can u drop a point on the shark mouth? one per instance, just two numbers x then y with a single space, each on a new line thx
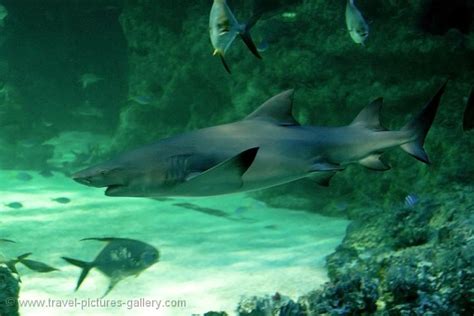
113 188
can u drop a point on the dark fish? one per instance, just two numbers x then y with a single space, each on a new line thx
37 266
120 258
6 240
46 173
23 176
11 264
211 211
468 121
14 205
62 200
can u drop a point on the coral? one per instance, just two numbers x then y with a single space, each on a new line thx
9 290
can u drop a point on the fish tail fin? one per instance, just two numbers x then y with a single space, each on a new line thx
247 38
86 267
420 125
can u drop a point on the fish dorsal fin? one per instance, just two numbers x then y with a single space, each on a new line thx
277 109
370 116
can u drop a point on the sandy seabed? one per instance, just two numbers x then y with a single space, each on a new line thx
206 262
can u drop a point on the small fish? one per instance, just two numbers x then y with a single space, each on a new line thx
62 200
11 264
6 240
23 176
263 46
3 15
356 25
120 258
88 110
46 173
89 79
37 266
411 200
468 120
141 99
224 28
14 205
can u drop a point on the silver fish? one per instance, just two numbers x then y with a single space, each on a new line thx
224 28
356 25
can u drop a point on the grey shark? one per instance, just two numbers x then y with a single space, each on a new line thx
267 148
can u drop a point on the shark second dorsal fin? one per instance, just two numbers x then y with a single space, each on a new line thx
277 109
370 116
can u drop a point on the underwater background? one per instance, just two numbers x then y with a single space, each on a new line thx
83 80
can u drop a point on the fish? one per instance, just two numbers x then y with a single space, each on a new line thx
468 118
30 264
88 110
62 200
265 149
46 173
120 258
3 15
411 200
224 28
14 205
6 240
23 176
11 264
89 79
356 25
37 266
141 99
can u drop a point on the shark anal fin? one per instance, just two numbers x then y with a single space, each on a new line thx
468 120
322 178
278 109
374 162
228 172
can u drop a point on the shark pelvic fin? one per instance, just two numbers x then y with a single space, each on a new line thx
228 171
370 116
420 125
278 109
374 162
322 178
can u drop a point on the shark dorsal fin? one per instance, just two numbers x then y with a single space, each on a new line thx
277 109
370 116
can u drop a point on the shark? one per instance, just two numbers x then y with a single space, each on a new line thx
265 149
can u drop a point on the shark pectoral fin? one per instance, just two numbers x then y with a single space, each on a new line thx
228 172
325 166
278 109
374 162
322 178
370 116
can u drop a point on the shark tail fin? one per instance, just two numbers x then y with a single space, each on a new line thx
247 38
420 125
86 267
